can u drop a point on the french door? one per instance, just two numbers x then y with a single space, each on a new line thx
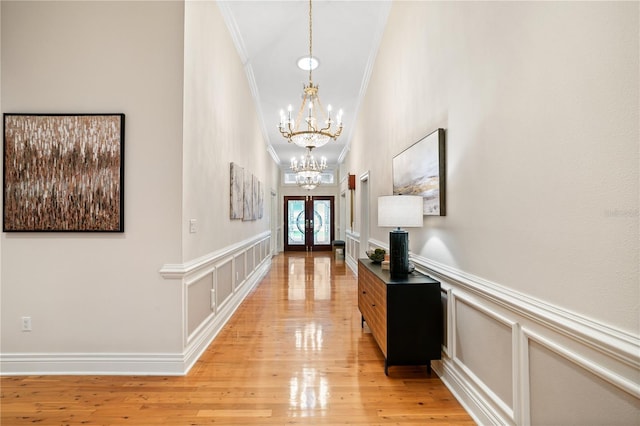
308 223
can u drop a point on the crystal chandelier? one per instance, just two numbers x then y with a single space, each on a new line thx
308 183
308 171
307 130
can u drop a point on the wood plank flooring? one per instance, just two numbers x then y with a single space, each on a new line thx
293 353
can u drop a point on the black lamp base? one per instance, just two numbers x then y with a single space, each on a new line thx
399 253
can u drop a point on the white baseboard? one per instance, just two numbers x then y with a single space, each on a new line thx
201 342
596 350
26 364
156 364
478 408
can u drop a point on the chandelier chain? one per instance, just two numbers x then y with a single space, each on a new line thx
310 39
317 127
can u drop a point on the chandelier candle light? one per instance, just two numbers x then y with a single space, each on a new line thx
310 134
308 171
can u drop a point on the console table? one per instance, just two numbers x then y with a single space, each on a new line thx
404 315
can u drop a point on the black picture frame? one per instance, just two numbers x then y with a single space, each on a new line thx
63 172
421 170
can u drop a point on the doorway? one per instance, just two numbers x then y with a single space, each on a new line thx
364 215
308 223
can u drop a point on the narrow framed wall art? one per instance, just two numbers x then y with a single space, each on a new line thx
237 192
63 172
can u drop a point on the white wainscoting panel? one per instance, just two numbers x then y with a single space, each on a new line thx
352 247
483 351
513 360
239 268
234 277
561 381
209 298
447 314
224 282
251 257
198 301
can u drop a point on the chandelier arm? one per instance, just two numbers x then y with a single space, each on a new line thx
321 108
313 132
286 135
287 132
300 112
326 129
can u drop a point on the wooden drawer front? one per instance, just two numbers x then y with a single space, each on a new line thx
378 321
365 295
372 301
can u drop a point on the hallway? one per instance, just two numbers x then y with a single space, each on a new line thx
293 353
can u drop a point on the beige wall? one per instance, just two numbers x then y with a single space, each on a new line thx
221 126
150 299
540 105
540 102
97 293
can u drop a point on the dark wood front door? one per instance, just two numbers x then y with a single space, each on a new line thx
308 223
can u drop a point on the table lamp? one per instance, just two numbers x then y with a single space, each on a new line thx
399 211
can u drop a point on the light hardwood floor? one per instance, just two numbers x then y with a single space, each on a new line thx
293 353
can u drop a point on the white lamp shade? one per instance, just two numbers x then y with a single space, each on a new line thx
400 211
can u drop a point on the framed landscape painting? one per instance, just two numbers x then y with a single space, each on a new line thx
420 170
63 173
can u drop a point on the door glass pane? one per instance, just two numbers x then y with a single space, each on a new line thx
321 222
295 222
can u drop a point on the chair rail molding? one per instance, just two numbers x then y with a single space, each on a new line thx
613 342
228 275
176 271
610 354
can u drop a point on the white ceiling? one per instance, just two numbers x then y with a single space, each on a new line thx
272 35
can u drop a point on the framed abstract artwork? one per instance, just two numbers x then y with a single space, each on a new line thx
420 170
63 172
237 192
247 206
247 195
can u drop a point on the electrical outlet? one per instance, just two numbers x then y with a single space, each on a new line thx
192 226
26 323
